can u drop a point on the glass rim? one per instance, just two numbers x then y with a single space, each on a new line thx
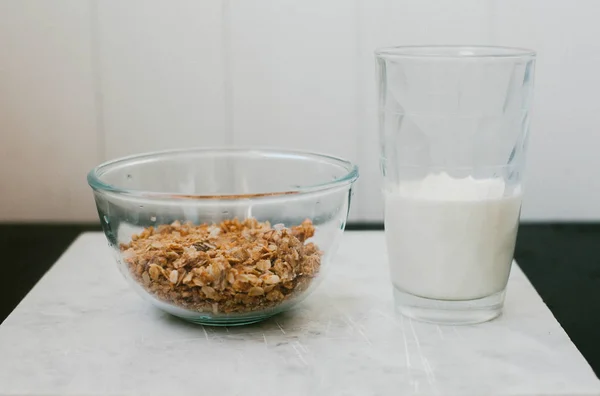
453 52
95 182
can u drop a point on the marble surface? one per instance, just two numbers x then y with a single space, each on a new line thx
82 331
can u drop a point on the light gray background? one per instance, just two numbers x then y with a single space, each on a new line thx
82 81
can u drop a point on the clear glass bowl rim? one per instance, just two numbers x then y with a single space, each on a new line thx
453 52
95 182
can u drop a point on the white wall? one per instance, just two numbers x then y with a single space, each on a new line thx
82 81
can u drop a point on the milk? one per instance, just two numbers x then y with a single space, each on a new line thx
451 239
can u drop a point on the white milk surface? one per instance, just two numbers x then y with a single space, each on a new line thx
451 239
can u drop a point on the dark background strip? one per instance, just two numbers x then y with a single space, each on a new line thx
561 260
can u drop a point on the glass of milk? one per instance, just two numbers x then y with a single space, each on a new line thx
454 123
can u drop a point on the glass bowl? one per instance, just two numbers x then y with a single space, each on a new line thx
224 236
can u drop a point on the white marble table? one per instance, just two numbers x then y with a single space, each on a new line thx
82 331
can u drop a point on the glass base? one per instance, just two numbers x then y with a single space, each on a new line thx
449 312
211 321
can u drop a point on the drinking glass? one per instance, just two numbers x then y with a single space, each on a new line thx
454 122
